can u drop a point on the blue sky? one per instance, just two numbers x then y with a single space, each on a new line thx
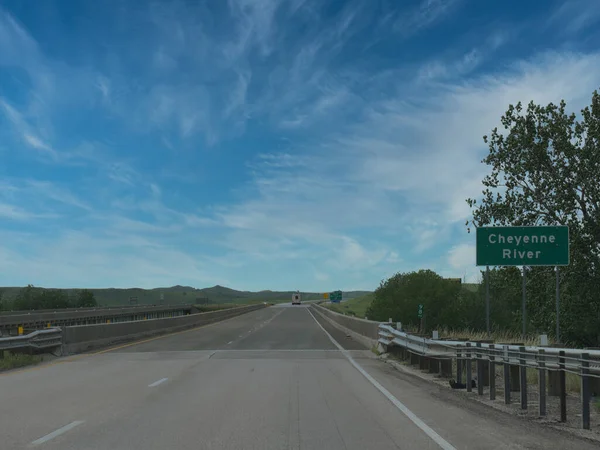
263 144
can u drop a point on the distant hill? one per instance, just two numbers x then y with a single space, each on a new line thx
185 294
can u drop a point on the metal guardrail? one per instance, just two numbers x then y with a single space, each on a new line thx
96 308
551 361
41 319
40 339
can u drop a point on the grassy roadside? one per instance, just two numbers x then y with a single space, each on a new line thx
15 360
358 306
354 307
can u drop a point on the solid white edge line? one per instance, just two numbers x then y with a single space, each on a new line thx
56 433
397 403
156 383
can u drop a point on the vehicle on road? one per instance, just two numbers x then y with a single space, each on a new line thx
296 298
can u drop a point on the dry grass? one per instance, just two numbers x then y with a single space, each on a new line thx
504 337
573 381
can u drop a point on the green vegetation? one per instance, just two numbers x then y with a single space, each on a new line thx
14 360
474 287
545 169
446 303
30 297
353 307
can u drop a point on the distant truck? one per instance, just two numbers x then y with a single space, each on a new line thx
296 298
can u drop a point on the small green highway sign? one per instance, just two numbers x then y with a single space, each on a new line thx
523 246
420 312
335 296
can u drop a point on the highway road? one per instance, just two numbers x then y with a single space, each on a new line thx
276 378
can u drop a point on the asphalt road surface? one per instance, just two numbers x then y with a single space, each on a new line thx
276 378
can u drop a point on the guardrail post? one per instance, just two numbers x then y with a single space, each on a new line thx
542 382
562 386
434 365
594 381
554 383
469 368
585 391
446 368
492 366
523 370
485 375
506 376
401 353
515 374
414 359
479 369
459 365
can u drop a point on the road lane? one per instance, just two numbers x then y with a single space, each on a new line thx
270 379
214 336
294 330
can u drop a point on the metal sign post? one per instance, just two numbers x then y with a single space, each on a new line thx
524 246
524 302
557 306
487 300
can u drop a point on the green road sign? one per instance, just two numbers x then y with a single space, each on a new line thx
335 296
420 311
523 246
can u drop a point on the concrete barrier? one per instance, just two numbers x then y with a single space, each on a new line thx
37 319
81 338
368 329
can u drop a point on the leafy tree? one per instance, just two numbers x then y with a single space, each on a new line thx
85 299
51 299
545 170
26 298
399 297
505 298
31 297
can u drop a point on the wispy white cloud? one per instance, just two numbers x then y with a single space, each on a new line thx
452 67
413 156
12 212
56 193
426 14
16 45
237 96
103 85
25 130
37 143
575 16
80 259
372 162
255 24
